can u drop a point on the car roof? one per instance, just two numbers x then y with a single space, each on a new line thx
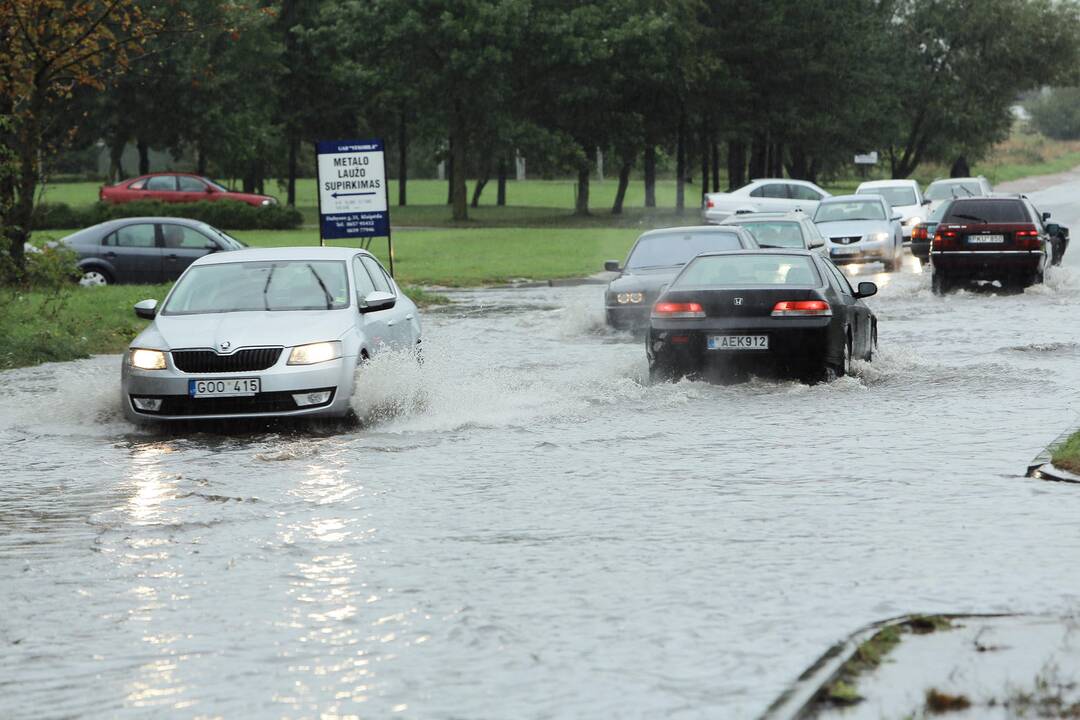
889 183
313 252
783 180
761 251
853 198
691 228
736 218
946 181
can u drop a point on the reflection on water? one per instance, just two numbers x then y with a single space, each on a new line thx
524 527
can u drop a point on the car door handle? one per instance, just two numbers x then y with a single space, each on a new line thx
390 323
171 256
409 316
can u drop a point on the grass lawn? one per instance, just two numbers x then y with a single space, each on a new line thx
1067 455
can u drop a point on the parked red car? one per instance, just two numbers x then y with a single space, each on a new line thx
176 188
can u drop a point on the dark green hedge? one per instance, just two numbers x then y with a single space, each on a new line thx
224 214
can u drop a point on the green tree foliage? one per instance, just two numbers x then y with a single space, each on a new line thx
1056 113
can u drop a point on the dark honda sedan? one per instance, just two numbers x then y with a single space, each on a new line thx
655 259
144 250
790 312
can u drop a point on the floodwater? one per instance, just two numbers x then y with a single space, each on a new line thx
524 528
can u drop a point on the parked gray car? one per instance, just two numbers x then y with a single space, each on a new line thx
266 332
654 260
861 228
144 250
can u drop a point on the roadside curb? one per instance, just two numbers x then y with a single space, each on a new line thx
1041 468
797 701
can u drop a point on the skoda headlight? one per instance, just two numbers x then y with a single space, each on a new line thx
147 359
315 353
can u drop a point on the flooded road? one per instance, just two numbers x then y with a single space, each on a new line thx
524 528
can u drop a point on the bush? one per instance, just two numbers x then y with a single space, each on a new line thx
224 214
1056 114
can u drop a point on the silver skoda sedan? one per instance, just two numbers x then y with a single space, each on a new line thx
266 332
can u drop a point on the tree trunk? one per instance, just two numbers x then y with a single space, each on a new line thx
960 168
624 182
704 161
680 164
736 164
144 156
581 201
200 162
776 169
116 160
500 197
403 166
757 158
650 174
481 183
290 180
716 167
797 167
450 172
21 218
458 192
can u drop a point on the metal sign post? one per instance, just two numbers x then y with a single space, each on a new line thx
354 200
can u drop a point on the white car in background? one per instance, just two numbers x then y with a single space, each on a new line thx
941 191
904 196
764 195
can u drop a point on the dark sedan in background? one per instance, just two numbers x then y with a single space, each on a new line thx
790 312
143 250
654 260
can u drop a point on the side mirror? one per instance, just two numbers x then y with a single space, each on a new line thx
926 201
612 266
1052 228
814 244
1046 216
211 247
378 300
866 289
146 309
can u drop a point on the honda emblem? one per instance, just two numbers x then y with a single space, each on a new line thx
738 301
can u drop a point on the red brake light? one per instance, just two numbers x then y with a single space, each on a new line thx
708 202
801 308
678 310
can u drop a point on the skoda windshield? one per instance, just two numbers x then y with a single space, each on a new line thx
265 285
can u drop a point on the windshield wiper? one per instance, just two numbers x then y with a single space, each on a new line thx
653 267
266 287
329 297
971 217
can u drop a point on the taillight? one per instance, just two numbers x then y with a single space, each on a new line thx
669 310
709 203
1028 239
801 308
945 239
918 232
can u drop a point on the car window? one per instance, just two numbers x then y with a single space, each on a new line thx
771 190
801 192
263 285
190 184
364 286
895 196
815 234
740 270
137 185
840 279
1036 216
670 249
161 182
378 275
180 236
945 190
776 233
849 210
987 211
134 236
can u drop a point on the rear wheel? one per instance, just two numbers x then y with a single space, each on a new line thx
873 344
940 283
839 370
663 372
93 277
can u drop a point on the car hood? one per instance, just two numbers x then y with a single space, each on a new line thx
843 228
245 329
647 281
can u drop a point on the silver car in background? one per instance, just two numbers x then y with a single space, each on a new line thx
266 332
941 191
904 196
861 228
781 230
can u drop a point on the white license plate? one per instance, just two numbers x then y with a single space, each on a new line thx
232 387
844 251
738 342
986 239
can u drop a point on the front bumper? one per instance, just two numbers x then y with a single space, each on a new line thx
277 385
987 264
629 316
862 251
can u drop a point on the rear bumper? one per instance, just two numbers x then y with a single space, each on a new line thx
921 250
791 347
987 264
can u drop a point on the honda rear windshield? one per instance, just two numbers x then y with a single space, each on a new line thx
749 270
672 249
986 211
